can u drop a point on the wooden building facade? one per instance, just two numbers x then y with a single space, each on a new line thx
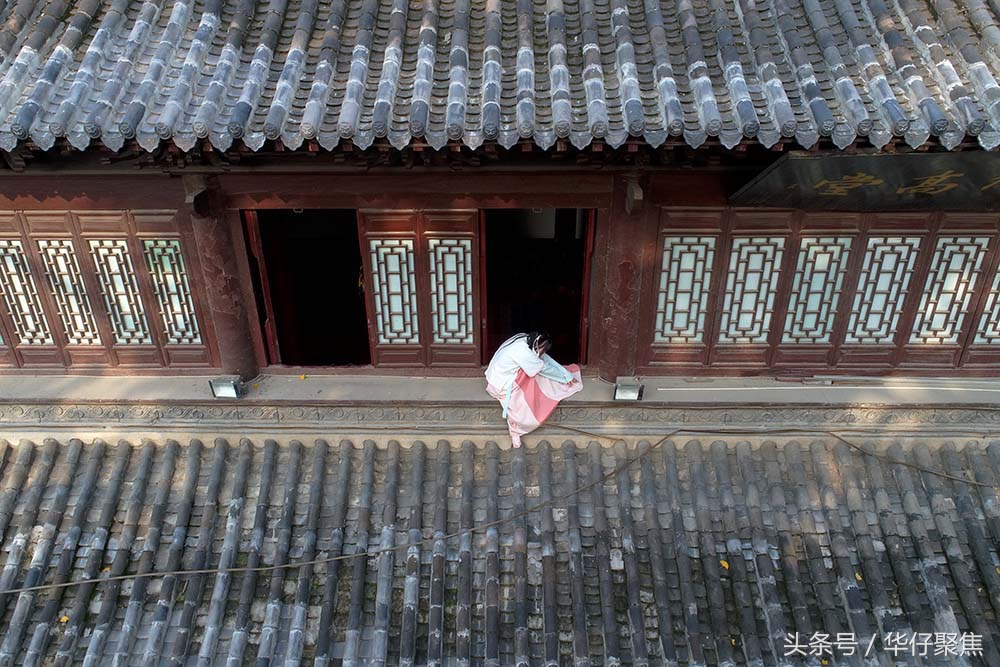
366 187
203 273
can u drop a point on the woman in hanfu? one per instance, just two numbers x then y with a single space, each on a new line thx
528 383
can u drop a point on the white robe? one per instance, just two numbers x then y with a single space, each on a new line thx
511 357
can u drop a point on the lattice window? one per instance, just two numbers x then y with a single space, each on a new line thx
885 281
173 291
395 291
21 295
952 278
754 268
72 302
120 291
989 325
819 275
685 276
451 290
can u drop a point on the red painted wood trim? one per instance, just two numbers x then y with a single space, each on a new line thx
241 248
484 354
256 247
588 256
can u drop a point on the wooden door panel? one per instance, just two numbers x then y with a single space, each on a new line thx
983 357
793 357
422 282
749 309
256 244
192 356
679 292
41 357
389 247
450 244
948 309
820 285
31 331
111 274
79 291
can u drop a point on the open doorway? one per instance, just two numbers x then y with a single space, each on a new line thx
536 274
309 287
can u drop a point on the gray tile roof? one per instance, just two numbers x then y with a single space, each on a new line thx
491 70
702 553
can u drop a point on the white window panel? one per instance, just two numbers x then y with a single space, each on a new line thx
884 283
173 291
66 285
989 325
819 275
394 287
21 295
120 291
451 290
682 293
751 283
951 280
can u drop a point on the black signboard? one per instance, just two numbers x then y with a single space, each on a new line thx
968 181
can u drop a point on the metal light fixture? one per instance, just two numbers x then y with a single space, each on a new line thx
628 388
229 386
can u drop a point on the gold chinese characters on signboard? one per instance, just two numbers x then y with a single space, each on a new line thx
967 180
842 186
934 184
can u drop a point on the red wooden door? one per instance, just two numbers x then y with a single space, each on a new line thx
389 253
449 245
421 281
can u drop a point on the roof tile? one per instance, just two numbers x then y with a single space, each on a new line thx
704 552
498 71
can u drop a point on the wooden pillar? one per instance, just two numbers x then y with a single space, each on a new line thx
624 236
222 286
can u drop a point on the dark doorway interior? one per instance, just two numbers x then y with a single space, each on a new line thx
535 273
313 269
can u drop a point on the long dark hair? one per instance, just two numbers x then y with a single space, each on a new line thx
532 338
539 339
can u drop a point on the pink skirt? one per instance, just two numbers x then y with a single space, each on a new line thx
532 400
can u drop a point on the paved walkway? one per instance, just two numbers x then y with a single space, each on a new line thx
270 389
385 407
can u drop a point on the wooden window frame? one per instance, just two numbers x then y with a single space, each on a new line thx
79 228
838 355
